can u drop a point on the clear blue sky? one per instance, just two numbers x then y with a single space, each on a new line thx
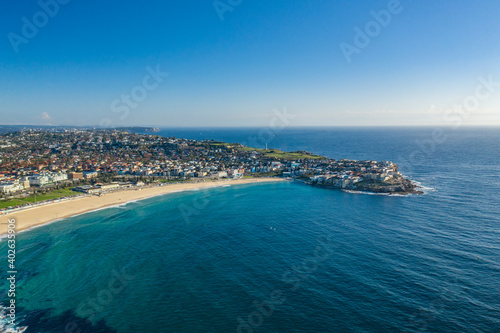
264 55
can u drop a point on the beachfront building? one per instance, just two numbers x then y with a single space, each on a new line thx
39 180
110 186
25 182
10 187
90 174
218 174
100 187
235 173
75 175
45 178
86 189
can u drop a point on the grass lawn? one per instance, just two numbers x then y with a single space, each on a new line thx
39 197
271 153
278 154
168 181
265 174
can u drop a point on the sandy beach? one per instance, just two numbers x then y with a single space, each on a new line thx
36 216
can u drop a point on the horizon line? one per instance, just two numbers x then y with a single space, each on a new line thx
256 126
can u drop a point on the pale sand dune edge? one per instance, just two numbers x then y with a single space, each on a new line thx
37 216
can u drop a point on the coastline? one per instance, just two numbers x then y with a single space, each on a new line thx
38 216
407 187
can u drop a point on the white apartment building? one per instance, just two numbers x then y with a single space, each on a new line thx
47 178
10 187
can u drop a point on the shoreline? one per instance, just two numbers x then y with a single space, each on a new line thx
35 217
409 188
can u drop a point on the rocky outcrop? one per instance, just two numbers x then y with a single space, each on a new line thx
400 186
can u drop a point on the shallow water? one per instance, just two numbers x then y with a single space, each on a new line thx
331 261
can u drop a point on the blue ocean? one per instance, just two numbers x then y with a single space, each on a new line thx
284 257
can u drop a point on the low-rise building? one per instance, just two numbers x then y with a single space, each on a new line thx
45 178
10 187
107 186
86 189
75 175
90 174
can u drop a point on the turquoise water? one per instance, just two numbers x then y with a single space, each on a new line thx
283 257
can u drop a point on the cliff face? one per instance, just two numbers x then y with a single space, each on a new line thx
396 186
401 186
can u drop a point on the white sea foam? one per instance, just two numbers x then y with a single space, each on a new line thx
424 188
368 193
5 325
379 194
4 236
40 225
